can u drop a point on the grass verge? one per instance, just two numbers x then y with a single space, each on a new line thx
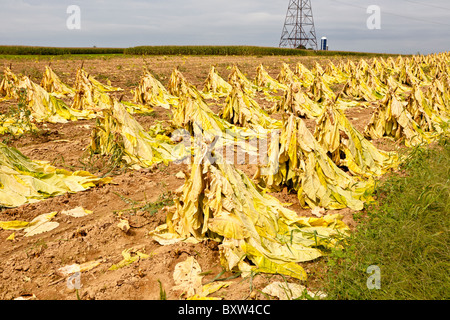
406 235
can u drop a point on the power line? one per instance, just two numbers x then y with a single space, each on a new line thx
427 5
396 14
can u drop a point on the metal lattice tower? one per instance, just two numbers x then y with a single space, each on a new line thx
298 30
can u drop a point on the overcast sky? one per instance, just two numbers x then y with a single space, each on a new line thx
406 26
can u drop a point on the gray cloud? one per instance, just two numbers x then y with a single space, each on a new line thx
406 26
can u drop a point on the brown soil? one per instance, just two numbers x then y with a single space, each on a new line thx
29 265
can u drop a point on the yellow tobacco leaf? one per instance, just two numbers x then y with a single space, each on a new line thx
129 256
13 225
77 212
284 290
248 223
41 224
207 289
73 268
215 86
187 278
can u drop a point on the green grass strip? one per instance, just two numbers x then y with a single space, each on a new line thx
406 235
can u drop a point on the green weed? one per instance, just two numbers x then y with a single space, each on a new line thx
21 115
162 292
165 199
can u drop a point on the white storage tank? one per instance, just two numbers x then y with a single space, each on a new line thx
324 43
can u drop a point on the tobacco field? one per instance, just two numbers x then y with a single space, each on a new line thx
199 177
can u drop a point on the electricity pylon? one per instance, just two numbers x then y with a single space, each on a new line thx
298 30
